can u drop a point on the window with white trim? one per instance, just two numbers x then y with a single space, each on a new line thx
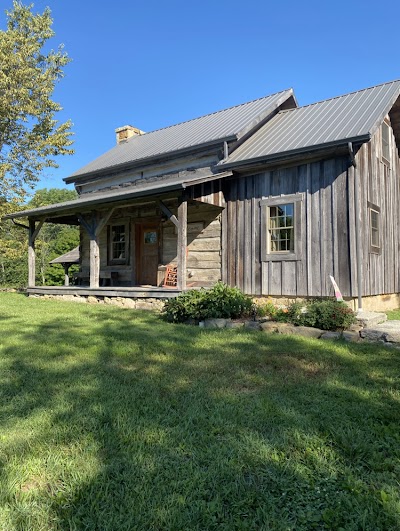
386 142
118 239
281 230
374 228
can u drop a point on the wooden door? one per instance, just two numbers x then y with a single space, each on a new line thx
147 253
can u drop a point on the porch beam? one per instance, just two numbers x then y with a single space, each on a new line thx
94 257
182 244
168 213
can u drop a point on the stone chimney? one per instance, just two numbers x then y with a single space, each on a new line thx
125 132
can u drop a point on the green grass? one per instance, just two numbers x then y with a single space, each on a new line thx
114 420
394 315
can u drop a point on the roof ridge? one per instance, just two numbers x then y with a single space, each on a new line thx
341 96
211 113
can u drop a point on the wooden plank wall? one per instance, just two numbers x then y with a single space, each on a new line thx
380 185
204 242
325 248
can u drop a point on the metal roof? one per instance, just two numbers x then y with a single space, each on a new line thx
71 257
227 124
141 188
339 120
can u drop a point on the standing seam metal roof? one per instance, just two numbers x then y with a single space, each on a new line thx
354 115
220 125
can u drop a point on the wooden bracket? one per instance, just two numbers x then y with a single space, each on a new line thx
168 213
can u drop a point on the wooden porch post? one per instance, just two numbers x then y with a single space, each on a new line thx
94 261
66 274
182 244
33 232
31 255
94 229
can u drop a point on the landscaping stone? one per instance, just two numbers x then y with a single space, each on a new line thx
252 325
285 328
215 323
331 335
269 326
370 319
92 300
308 331
388 332
235 324
351 336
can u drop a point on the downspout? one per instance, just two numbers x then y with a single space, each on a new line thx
357 226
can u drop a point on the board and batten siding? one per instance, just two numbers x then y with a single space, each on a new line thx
380 186
324 246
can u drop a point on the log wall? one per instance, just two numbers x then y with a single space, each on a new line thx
203 238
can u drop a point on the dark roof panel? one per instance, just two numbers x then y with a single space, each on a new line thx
338 120
220 125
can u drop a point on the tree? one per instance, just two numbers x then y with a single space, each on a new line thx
52 241
30 136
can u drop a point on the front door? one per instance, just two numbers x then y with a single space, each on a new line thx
147 253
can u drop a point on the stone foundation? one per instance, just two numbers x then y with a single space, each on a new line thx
123 302
375 303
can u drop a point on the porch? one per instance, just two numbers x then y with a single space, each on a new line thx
136 292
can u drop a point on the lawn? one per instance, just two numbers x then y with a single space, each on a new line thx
112 419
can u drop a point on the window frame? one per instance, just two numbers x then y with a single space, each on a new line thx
374 249
110 259
385 126
281 256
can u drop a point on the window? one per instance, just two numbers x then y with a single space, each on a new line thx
118 244
281 230
374 228
386 142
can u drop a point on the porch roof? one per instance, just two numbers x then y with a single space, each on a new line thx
142 188
71 257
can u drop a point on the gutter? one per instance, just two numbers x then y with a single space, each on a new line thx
283 155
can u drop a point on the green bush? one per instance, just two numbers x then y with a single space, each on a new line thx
221 301
266 309
184 307
324 314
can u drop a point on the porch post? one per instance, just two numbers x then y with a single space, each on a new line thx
31 255
182 244
94 261
66 275
33 232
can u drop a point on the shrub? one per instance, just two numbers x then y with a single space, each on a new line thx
183 307
221 301
325 314
266 309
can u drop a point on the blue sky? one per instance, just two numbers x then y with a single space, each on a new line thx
152 64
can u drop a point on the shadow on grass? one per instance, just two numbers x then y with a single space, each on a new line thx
121 421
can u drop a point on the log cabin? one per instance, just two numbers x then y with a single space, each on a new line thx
268 196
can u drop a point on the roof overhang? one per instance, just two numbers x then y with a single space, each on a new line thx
66 212
293 154
149 161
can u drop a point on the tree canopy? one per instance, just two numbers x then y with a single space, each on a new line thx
52 241
30 136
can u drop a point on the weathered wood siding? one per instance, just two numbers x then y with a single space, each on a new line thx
380 185
203 237
324 244
204 244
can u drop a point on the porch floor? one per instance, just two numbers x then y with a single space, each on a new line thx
140 292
